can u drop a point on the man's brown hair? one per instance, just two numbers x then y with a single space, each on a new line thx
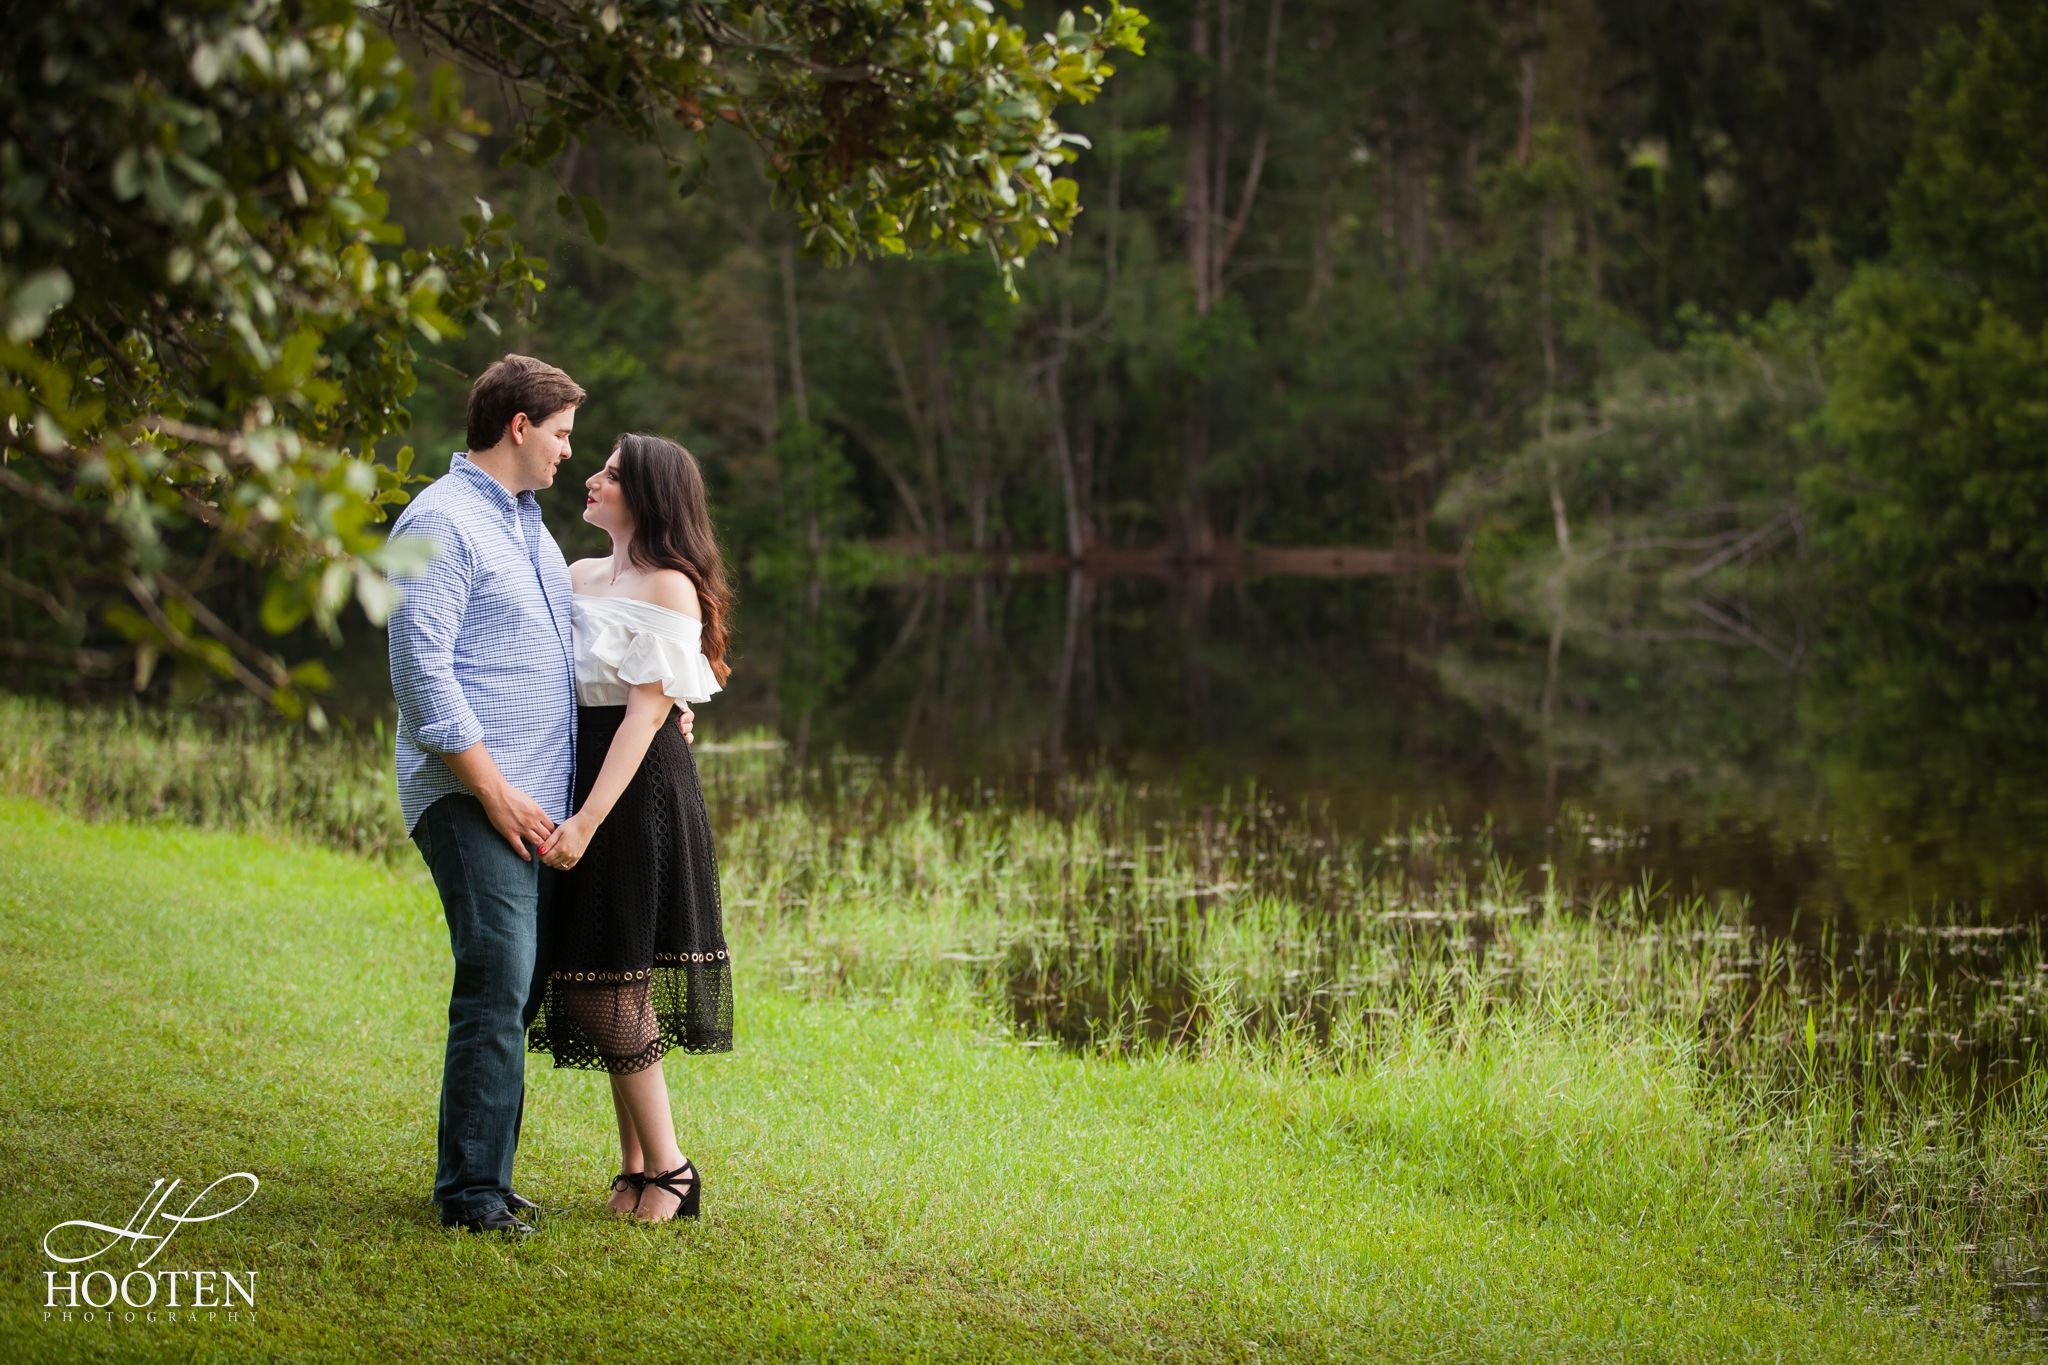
517 384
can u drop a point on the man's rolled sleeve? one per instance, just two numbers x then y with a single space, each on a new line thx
423 630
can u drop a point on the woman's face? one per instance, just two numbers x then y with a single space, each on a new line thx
605 508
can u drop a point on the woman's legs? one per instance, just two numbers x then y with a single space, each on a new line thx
619 1021
641 1098
630 1160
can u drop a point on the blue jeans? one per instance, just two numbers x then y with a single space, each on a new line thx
494 901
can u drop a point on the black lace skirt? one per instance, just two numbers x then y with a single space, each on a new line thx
635 944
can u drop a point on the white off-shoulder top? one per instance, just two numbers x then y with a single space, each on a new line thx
621 643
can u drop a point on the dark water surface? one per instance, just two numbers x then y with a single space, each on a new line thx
1817 788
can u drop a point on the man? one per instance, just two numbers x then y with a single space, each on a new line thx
483 665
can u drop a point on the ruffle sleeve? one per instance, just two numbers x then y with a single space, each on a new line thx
640 653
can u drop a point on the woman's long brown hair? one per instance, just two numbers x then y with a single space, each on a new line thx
664 492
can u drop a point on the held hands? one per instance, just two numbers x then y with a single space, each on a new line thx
518 817
564 848
646 712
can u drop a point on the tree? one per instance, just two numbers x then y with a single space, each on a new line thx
1934 506
209 319
893 126
1940 391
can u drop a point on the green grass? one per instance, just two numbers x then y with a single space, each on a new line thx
233 771
892 1173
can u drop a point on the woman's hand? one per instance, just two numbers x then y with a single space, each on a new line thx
564 848
646 712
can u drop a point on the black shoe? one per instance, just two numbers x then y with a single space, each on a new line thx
522 1206
499 1219
685 1184
635 1181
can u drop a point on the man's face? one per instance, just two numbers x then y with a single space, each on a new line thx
539 449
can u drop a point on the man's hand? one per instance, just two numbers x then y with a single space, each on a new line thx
514 814
518 817
686 724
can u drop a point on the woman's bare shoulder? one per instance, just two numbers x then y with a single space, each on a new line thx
585 572
669 588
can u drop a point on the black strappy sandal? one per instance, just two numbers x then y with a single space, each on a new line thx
635 1181
684 1183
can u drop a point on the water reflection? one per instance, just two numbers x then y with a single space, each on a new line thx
1829 778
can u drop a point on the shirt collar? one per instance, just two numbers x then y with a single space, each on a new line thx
461 465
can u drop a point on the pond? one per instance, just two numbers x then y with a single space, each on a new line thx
1859 793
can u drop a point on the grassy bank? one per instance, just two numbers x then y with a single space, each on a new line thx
237 770
893 1174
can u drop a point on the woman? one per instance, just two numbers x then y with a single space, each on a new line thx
635 949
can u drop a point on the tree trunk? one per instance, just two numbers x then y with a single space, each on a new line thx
1063 457
938 410
1195 205
812 536
1213 229
796 347
1532 65
920 431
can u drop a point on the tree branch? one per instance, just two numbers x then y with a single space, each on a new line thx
184 643
219 630
1759 539
1259 143
83 660
1743 631
43 497
42 597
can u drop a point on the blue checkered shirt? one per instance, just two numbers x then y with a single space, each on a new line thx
482 647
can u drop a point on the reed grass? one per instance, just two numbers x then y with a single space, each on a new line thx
1882 1094
230 770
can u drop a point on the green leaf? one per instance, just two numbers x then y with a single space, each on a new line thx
547 143
288 703
285 605
127 174
28 309
133 625
594 220
313 676
691 179
294 362
404 556
215 656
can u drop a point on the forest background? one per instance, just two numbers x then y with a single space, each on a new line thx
1670 320
1476 276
